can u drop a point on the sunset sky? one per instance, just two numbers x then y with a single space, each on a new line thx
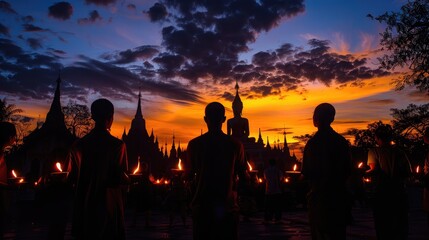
287 56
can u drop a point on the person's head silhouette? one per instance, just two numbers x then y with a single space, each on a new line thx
324 115
102 113
383 135
214 116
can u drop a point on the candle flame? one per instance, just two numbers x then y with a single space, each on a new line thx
158 181
417 169
14 174
367 180
360 164
295 167
166 182
287 180
58 165
21 180
250 166
138 167
179 165
260 180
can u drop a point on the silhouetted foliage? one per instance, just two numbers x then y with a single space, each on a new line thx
412 121
78 119
406 40
303 138
366 138
8 111
408 127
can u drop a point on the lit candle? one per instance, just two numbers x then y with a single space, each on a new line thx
59 175
15 178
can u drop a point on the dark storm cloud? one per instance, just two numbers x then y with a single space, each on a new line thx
6 7
61 10
8 49
168 64
93 17
211 34
132 55
120 83
289 68
100 2
4 30
34 43
157 12
228 96
29 76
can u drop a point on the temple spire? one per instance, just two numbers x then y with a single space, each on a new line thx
139 108
260 140
55 116
286 147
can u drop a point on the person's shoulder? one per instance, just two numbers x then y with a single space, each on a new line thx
195 140
339 137
116 140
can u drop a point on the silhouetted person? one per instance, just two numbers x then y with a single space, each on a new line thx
326 166
216 159
7 138
99 162
238 127
391 170
144 196
273 192
177 199
426 178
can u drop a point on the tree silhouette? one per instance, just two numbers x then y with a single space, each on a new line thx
406 41
77 119
412 121
8 111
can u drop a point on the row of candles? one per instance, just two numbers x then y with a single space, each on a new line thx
16 179
60 174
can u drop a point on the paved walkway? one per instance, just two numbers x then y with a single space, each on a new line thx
293 226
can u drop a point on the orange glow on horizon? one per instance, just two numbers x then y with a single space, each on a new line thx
289 110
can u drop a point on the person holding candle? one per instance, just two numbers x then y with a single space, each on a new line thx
273 192
7 138
391 170
327 166
426 178
98 166
216 160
